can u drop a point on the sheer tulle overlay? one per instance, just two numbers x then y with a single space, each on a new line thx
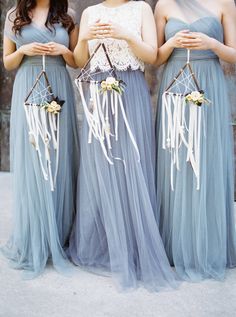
115 229
42 218
198 226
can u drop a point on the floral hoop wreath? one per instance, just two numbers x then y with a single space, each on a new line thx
183 96
102 109
42 111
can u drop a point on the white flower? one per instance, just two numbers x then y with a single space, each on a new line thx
103 84
110 80
195 95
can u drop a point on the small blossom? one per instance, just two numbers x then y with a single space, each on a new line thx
103 84
196 95
110 81
109 87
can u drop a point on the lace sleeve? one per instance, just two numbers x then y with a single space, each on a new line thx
9 22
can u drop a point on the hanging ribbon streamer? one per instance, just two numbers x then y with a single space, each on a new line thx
97 116
182 121
103 109
43 125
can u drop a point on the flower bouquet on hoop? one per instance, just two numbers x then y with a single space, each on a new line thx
182 118
103 105
42 111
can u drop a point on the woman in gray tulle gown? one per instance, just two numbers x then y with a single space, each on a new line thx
196 207
115 228
42 216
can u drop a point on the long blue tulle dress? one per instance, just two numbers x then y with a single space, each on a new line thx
42 218
198 226
115 229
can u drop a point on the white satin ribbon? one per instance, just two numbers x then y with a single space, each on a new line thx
44 128
177 132
98 118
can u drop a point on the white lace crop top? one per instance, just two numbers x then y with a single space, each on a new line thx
129 16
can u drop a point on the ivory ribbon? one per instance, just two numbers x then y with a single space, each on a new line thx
176 131
97 116
44 128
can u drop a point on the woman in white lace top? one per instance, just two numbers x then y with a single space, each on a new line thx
115 229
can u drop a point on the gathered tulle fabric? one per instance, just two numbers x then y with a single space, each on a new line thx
198 226
42 218
115 229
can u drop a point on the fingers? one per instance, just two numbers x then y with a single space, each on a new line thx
40 48
190 41
100 30
182 33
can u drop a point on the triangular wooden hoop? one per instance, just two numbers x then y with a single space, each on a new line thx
81 75
188 66
41 74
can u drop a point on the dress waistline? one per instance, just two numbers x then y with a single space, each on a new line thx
37 61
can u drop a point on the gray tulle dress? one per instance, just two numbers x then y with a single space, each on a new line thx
42 218
198 226
115 229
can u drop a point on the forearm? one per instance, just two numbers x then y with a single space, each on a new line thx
164 53
81 53
142 50
225 53
13 60
69 58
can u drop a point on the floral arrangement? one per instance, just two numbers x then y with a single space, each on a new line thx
54 106
197 97
111 83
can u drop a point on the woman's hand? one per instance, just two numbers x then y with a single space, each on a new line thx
116 31
34 49
105 30
97 30
55 49
198 41
177 40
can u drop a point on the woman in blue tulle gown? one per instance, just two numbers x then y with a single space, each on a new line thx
197 222
115 229
42 217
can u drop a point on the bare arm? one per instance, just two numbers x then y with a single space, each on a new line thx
227 51
145 49
57 49
12 57
69 56
165 48
81 52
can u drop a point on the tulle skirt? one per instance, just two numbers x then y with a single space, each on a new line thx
42 218
115 229
198 226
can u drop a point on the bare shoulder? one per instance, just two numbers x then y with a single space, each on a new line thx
85 13
228 10
145 5
162 7
227 5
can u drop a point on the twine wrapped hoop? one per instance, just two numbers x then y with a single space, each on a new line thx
43 126
102 110
177 129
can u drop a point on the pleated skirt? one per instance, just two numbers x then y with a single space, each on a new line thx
42 218
198 226
115 231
